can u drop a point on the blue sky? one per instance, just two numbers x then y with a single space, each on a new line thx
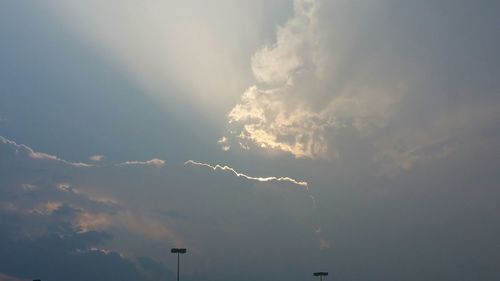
270 138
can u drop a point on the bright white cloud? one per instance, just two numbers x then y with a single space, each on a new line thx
238 174
297 104
340 79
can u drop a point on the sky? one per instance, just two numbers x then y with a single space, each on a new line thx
272 139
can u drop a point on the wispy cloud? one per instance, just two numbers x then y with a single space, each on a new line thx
153 162
323 242
40 155
238 174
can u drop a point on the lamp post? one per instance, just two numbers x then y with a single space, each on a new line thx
320 274
178 251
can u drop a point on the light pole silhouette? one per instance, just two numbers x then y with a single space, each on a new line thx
178 251
320 274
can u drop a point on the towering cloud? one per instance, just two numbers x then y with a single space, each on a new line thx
302 96
342 77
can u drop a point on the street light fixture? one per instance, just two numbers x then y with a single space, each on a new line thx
320 274
178 251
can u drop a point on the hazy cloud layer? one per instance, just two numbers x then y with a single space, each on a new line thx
385 111
141 208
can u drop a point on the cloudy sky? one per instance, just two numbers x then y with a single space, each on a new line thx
271 139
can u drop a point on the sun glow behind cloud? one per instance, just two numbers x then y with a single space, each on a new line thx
386 111
296 103
322 87
184 51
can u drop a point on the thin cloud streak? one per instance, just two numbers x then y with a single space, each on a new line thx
156 162
238 174
153 162
42 156
323 242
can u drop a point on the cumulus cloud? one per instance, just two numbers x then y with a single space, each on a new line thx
296 101
73 253
50 211
341 78
36 229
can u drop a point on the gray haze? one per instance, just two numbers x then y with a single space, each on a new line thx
270 138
